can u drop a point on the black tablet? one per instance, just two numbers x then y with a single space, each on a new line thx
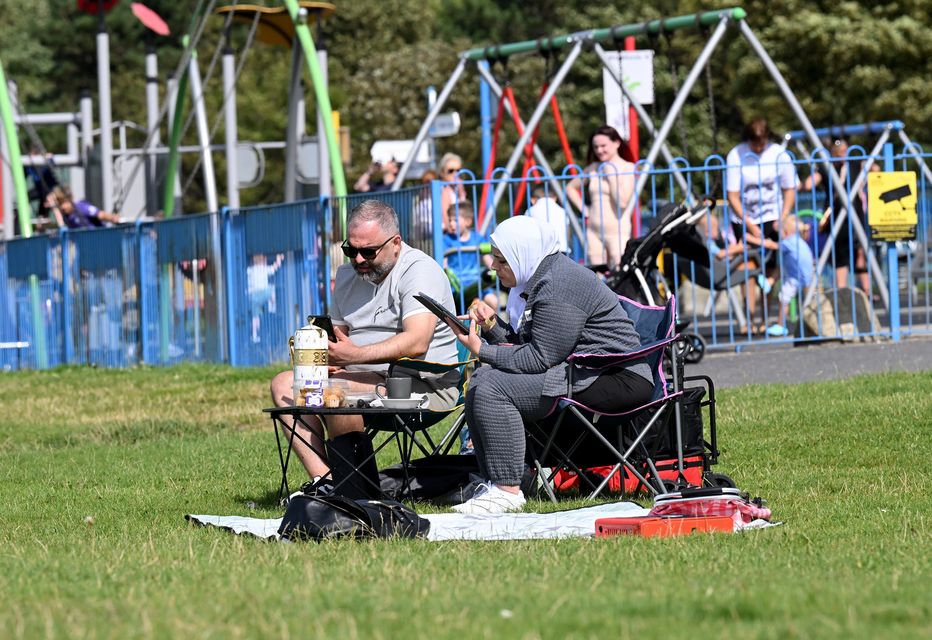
457 325
324 323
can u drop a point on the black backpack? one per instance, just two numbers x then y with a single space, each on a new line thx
320 517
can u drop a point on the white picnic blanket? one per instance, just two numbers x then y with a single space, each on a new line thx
572 523
456 526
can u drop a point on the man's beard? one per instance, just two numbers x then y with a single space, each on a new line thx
376 272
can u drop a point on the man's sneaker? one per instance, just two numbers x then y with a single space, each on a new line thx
318 487
489 499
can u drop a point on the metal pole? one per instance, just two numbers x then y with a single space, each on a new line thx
645 118
323 101
431 143
634 139
691 21
152 124
538 155
485 112
428 122
176 95
229 120
675 109
106 133
893 271
203 134
814 141
87 136
910 145
323 157
291 128
536 116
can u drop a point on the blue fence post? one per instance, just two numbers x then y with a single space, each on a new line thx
485 116
67 299
226 238
436 199
893 271
144 301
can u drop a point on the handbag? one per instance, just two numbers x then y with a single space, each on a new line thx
323 517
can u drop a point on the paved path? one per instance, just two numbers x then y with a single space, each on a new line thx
814 362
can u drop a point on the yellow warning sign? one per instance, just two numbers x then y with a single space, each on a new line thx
891 205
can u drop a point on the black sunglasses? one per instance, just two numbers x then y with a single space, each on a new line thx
367 253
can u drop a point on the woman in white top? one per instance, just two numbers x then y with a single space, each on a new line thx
611 185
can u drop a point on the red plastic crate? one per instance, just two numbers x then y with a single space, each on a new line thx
652 526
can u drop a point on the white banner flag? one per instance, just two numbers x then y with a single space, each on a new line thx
636 69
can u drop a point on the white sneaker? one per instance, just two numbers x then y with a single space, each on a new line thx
489 499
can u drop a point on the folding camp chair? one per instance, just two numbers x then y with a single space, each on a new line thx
407 429
627 438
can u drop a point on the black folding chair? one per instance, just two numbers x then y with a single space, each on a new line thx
574 436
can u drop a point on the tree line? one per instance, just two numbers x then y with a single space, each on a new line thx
848 62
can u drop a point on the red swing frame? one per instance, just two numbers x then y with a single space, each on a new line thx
508 94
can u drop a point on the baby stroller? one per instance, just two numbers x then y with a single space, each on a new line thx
637 276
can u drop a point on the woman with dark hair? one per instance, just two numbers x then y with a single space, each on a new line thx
611 184
761 187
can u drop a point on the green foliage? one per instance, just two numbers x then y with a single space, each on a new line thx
851 61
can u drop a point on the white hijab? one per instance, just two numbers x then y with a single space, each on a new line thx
524 242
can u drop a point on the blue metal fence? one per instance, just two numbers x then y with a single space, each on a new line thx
233 286
276 274
97 292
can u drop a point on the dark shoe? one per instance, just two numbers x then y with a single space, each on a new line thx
322 487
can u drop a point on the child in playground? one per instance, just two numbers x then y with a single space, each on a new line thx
463 259
258 288
545 208
79 214
798 268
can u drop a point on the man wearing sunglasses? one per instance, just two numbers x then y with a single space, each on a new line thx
377 321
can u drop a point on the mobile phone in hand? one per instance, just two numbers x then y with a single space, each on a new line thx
324 323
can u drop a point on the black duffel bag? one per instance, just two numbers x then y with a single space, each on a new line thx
321 517
440 479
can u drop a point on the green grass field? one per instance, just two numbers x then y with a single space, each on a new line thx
98 468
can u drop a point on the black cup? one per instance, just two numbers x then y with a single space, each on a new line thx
394 388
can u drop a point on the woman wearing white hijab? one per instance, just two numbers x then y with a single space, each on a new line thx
556 307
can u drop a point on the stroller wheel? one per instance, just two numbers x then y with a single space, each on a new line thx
692 347
711 479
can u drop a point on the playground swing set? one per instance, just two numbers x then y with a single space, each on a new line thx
714 23
507 96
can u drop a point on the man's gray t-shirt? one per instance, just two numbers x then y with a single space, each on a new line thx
374 312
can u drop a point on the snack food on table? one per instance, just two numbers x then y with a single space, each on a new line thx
334 397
